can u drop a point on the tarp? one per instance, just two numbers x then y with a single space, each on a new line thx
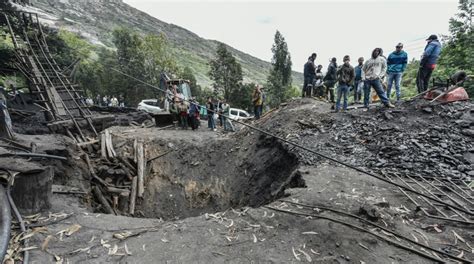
458 94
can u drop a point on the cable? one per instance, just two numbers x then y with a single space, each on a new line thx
378 226
393 242
316 153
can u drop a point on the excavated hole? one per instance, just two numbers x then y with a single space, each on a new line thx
207 176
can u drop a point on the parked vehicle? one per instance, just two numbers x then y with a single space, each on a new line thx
239 114
150 106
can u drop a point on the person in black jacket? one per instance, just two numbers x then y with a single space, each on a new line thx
309 73
330 79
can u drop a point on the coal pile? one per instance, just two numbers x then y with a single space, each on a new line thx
414 139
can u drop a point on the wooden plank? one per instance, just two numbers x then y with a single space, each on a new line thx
133 196
87 143
103 152
109 144
140 169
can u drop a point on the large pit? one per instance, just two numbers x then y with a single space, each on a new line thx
202 172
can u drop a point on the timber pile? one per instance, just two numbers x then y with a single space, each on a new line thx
120 175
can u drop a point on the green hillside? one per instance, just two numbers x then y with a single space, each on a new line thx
95 21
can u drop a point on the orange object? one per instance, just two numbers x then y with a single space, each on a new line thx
458 94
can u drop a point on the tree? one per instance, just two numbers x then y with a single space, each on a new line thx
226 72
458 50
143 58
279 79
242 96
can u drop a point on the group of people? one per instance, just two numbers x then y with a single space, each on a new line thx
188 112
218 111
369 74
106 100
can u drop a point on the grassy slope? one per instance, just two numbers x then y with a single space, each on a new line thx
99 18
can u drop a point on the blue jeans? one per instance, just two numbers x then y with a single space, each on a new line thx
257 111
342 90
397 77
211 123
378 88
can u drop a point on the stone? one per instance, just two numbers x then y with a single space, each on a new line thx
468 132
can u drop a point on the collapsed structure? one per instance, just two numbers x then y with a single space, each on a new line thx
393 173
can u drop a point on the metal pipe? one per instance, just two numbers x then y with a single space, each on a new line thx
33 155
5 222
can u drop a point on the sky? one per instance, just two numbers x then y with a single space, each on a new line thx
329 28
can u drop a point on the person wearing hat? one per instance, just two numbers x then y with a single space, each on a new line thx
428 62
345 77
330 79
396 65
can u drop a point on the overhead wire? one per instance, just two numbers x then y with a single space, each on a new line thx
363 171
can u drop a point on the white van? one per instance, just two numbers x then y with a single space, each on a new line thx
239 114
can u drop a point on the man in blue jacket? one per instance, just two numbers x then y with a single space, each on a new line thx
428 63
396 65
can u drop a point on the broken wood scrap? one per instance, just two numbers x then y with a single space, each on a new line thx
118 190
133 196
124 161
109 145
92 172
140 169
306 123
100 197
103 151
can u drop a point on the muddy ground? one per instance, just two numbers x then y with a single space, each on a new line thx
209 200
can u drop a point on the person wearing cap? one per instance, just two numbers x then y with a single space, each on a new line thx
330 79
372 73
396 65
428 62
345 77
309 73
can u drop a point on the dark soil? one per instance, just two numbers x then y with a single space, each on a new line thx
213 174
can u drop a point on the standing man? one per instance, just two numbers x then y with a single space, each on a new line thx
358 80
330 79
257 100
211 110
345 77
428 63
396 65
309 72
372 72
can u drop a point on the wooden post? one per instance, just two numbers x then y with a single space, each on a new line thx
103 151
133 196
32 191
140 169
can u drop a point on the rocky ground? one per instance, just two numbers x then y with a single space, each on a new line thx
412 139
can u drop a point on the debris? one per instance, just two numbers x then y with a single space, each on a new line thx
297 257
